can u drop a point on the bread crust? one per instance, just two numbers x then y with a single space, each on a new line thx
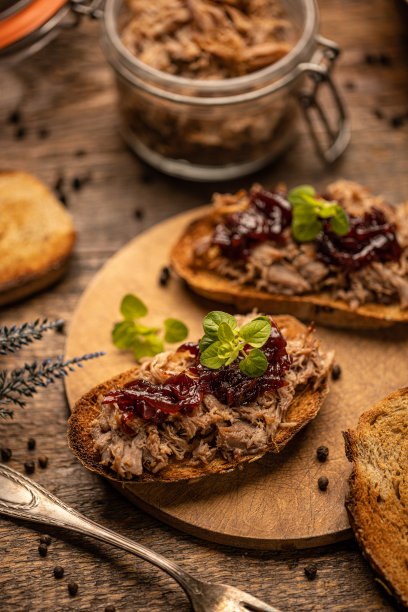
307 402
378 490
37 239
318 307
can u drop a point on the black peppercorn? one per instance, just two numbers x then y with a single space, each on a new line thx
31 443
43 133
336 372
377 112
15 117
385 59
110 608
45 539
6 454
43 549
311 571
72 588
76 183
322 453
164 276
323 483
43 461
138 213
20 133
29 467
397 121
58 572
80 153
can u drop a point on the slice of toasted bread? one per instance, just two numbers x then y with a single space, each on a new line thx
318 307
305 406
377 502
36 236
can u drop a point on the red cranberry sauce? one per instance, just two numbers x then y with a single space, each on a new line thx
369 237
184 392
266 217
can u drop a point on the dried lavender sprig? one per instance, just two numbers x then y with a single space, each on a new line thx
15 337
23 382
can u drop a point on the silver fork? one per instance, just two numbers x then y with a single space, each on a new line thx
22 498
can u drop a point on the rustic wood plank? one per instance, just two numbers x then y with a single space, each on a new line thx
66 88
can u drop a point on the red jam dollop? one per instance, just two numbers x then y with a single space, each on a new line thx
266 218
184 392
370 237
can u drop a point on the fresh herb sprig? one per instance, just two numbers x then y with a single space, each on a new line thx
17 385
13 338
224 341
309 213
143 340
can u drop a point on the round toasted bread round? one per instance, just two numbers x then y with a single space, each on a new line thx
318 307
304 407
377 501
36 238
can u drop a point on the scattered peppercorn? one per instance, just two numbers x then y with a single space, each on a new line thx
76 183
29 467
43 549
369 58
323 483
6 454
60 328
59 184
43 461
58 572
139 214
80 153
15 117
322 453
63 199
336 372
397 121
43 133
20 133
377 112
31 443
385 59
110 608
72 588
311 571
350 85
164 276
45 539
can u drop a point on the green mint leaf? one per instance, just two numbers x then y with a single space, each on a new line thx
254 364
225 333
175 330
155 343
141 348
325 210
143 329
205 342
210 358
340 223
212 321
124 334
297 195
256 332
132 307
224 350
233 356
305 231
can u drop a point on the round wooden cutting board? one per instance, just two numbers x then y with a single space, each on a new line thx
270 504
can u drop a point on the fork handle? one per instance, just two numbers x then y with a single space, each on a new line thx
21 497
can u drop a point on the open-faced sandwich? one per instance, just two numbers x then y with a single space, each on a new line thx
246 389
340 257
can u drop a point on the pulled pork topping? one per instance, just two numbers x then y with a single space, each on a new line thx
211 429
184 392
368 264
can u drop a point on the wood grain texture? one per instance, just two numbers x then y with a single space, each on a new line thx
66 88
272 503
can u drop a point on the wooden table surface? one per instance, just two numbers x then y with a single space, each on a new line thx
69 129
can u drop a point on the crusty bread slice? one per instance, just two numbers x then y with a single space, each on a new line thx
377 502
318 307
36 236
304 408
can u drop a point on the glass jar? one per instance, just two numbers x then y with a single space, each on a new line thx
217 130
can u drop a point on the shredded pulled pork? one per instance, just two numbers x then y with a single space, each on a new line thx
292 269
213 429
207 39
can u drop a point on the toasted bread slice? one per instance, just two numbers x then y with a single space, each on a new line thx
318 307
377 501
304 407
36 236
